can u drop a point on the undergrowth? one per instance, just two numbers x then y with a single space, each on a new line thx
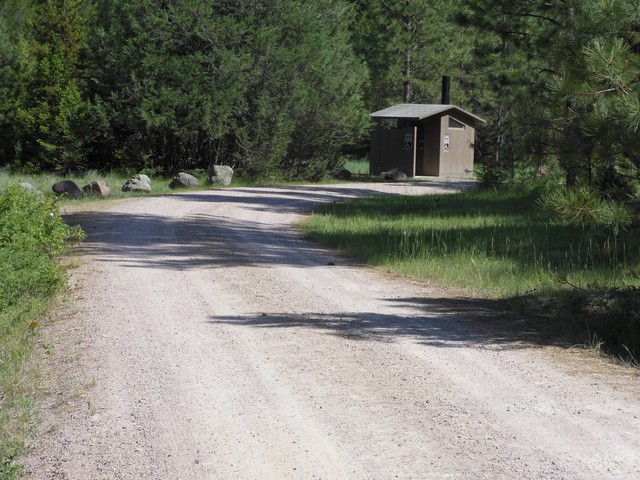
32 237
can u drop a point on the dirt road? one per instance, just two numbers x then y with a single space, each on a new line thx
206 340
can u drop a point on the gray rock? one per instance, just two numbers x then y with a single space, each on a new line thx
99 189
31 188
220 174
183 180
68 188
395 174
137 183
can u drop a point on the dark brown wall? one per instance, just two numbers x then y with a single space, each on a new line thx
431 157
388 150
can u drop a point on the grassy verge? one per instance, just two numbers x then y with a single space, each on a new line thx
500 245
357 166
32 237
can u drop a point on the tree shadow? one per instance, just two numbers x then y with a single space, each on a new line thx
304 198
441 322
212 242
197 241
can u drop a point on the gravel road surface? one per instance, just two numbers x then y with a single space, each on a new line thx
204 339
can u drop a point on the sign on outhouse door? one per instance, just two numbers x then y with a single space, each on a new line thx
409 162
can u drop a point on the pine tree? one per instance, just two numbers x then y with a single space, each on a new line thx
408 46
599 87
510 70
193 82
49 109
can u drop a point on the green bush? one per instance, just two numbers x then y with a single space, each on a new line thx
32 234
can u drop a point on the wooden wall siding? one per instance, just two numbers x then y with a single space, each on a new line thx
428 157
388 152
458 161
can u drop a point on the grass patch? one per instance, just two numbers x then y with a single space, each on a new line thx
357 166
17 329
498 245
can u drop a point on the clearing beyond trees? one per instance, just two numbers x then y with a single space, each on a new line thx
205 339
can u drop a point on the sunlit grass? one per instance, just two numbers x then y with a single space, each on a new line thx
500 245
495 244
357 166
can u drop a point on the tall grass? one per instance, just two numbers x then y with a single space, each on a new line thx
357 166
492 244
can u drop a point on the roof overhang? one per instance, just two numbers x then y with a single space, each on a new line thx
415 111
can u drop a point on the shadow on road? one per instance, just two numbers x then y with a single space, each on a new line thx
301 199
198 241
211 241
444 322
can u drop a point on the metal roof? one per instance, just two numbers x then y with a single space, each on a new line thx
416 111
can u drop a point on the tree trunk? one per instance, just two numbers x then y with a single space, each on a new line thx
408 81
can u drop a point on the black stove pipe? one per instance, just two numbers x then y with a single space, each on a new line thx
446 90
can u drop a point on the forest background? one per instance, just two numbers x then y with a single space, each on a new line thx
284 88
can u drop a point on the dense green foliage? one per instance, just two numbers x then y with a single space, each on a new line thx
559 83
408 46
500 244
283 87
32 235
270 89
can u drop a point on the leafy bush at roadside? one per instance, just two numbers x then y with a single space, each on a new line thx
32 234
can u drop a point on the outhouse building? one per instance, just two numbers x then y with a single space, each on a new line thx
424 140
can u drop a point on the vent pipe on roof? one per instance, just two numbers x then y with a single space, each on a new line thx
446 90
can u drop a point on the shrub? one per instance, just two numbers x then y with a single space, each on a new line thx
586 208
32 234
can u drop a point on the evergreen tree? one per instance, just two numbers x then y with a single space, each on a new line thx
510 70
408 46
599 87
16 61
48 106
561 66
193 82
308 97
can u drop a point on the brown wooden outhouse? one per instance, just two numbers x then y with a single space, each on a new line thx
424 140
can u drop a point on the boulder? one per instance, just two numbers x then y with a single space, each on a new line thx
138 183
99 189
395 174
220 174
31 188
183 180
342 174
68 188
